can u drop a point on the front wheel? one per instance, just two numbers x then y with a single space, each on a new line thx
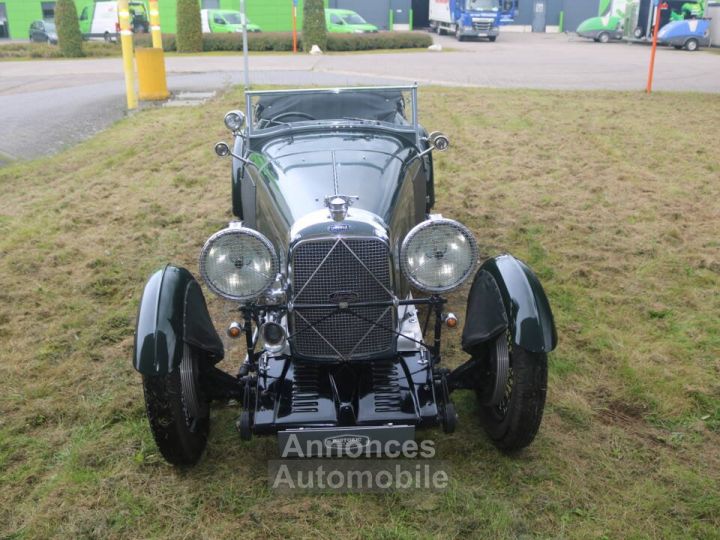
604 37
458 34
513 423
691 44
179 416
492 38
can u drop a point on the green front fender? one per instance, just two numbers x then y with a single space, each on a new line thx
529 316
172 312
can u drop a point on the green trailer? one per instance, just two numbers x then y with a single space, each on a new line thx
608 25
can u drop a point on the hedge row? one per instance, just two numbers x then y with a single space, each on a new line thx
267 41
43 50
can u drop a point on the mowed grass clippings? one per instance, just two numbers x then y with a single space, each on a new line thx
613 199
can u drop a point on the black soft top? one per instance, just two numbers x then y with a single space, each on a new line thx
382 105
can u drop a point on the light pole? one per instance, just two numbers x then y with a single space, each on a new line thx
126 38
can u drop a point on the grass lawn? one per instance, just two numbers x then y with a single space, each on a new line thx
613 198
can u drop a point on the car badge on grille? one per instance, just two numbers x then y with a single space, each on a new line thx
347 442
336 229
343 297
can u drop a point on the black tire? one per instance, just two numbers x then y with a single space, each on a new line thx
692 44
492 38
458 34
638 32
513 424
107 37
604 37
180 437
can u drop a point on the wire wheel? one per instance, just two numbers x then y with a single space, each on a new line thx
179 415
514 420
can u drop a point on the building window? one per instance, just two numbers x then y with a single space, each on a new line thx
211 4
48 10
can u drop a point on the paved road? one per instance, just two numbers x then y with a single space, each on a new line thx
46 105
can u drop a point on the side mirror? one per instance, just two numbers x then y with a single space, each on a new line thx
235 121
439 141
436 141
222 149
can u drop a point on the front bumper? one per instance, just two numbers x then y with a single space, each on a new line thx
340 441
467 31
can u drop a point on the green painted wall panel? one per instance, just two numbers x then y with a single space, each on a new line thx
21 14
271 15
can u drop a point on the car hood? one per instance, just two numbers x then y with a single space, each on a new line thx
361 28
239 27
300 172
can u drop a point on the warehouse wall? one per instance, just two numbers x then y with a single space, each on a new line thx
20 14
575 12
271 15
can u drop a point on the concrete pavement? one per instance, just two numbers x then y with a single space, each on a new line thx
46 105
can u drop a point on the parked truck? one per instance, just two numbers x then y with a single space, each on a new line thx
466 18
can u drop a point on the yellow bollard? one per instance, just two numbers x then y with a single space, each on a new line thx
151 74
127 51
155 25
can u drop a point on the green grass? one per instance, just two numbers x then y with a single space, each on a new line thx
613 198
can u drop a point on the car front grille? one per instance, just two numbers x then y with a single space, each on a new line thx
335 271
482 26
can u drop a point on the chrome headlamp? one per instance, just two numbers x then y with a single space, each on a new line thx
235 120
238 263
438 255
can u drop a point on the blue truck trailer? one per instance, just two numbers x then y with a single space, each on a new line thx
466 18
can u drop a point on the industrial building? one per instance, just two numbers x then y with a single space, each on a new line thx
276 15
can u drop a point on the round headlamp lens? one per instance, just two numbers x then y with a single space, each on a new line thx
234 120
438 255
238 263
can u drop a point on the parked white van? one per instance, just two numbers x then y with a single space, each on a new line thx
100 20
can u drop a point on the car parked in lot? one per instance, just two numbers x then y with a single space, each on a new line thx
43 32
224 21
345 21
337 269
100 19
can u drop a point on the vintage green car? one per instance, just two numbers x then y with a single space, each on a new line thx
336 268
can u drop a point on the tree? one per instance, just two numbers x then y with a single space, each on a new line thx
314 28
68 28
189 27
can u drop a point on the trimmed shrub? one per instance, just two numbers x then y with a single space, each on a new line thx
68 29
189 26
379 40
314 27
